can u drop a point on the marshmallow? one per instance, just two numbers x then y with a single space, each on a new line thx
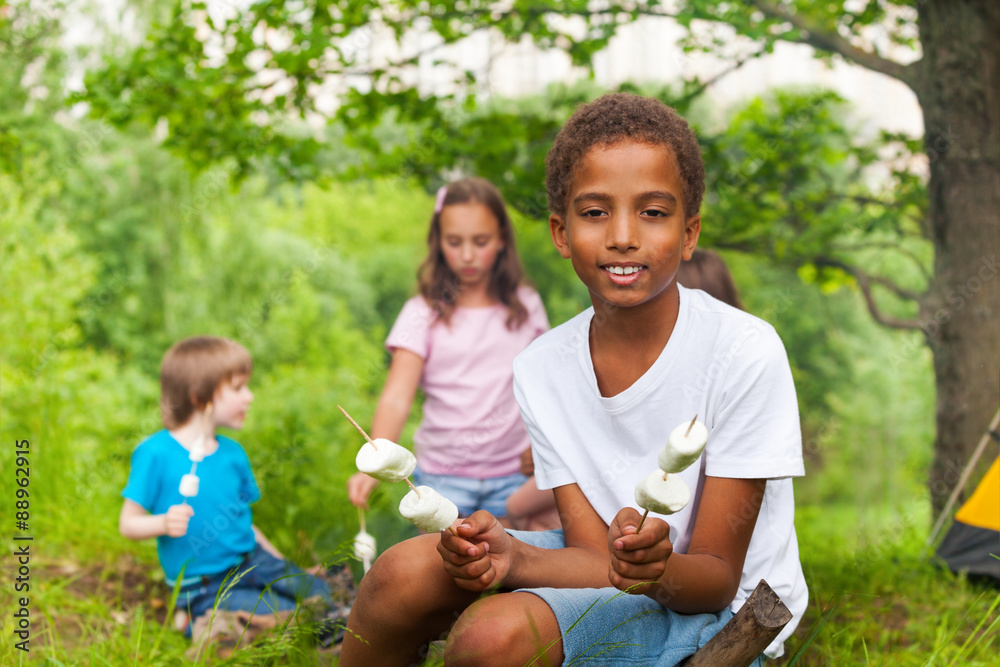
189 486
197 452
430 511
664 496
680 450
364 548
386 461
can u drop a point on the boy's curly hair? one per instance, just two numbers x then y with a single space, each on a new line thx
617 117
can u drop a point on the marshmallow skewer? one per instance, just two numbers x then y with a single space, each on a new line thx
683 446
383 459
189 482
189 487
364 544
365 549
661 492
670 494
360 430
428 509
387 461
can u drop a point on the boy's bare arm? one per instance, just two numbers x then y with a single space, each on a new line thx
136 523
484 556
707 577
584 561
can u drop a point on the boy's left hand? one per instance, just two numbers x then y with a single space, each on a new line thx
637 560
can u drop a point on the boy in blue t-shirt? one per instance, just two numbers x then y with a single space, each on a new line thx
209 539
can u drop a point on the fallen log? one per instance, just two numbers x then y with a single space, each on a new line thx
747 633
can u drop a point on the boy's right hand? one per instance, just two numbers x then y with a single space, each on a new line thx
637 558
359 487
176 520
478 558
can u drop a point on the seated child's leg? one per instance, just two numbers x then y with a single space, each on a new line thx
529 508
404 602
288 579
262 584
497 490
243 595
256 600
505 629
605 627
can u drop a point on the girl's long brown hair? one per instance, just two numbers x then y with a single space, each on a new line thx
439 285
707 271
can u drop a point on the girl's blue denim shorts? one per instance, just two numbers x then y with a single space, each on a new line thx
470 493
606 627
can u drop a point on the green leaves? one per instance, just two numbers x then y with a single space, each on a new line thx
233 83
226 81
790 179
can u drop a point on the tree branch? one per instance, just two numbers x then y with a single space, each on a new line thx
890 246
474 16
865 283
829 41
729 70
878 280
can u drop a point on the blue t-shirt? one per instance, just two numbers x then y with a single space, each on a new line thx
221 530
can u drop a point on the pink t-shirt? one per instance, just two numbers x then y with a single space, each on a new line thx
471 425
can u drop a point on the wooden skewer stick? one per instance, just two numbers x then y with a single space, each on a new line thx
639 527
410 484
360 430
200 442
691 426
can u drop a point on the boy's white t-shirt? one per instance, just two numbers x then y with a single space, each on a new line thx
720 363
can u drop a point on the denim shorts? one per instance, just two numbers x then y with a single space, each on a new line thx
604 626
265 584
470 493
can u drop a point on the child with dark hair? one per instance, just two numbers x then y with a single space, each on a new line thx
204 526
457 341
530 508
707 271
599 396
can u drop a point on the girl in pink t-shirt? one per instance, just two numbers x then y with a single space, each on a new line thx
457 341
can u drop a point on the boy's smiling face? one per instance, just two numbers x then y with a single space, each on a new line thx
624 228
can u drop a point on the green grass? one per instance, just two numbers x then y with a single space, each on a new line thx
97 599
875 599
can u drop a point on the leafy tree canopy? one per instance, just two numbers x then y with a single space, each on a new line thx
787 176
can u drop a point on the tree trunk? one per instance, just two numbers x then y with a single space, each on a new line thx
959 90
